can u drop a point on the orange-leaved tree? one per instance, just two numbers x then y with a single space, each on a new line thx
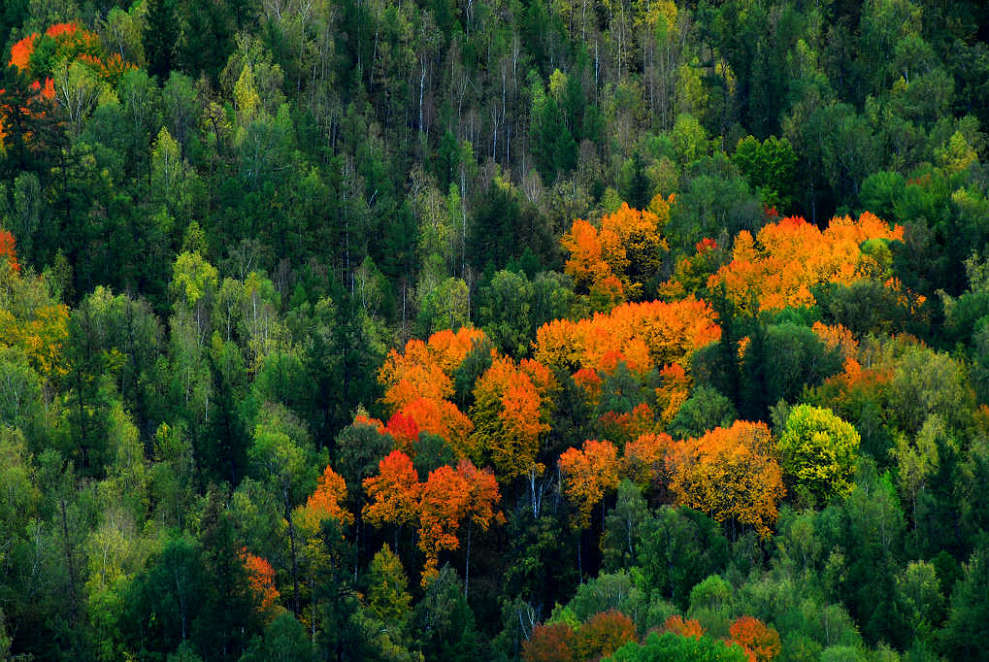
603 634
626 426
482 498
326 501
442 506
424 369
30 318
761 643
448 498
674 390
610 262
418 383
261 577
404 430
731 474
587 474
685 627
644 459
551 642
8 251
394 493
442 418
511 414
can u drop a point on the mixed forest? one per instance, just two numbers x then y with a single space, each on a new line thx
511 330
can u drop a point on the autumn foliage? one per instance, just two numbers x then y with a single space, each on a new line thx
261 577
424 369
72 44
608 261
761 643
642 335
684 627
29 319
418 383
442 418
449 498
394 493
444 501
777 269
731 474
623 427
8 250
603 634
587 474
325 502
549 643
674 390
510 412
644 459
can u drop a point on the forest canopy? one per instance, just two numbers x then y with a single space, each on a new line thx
514 330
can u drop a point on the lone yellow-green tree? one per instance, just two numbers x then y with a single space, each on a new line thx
819 451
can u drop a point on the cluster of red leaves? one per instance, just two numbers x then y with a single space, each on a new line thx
401 427
8 250
419 382
441 505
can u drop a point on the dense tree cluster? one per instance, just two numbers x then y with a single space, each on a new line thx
532 330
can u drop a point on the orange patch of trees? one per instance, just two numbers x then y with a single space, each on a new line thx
642 335
510 414
449 498
261 577
419 381
325 502
777 269
608 262
759 642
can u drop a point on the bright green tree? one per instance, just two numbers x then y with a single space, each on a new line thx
675 648
819 451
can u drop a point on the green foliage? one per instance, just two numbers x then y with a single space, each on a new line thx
284 640
623 528
769 167
966 621
217 217
505 312
388 599
678 648
704 410
779 362
819 452
679 548
444 620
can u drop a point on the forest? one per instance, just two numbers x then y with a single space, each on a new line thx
509 330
